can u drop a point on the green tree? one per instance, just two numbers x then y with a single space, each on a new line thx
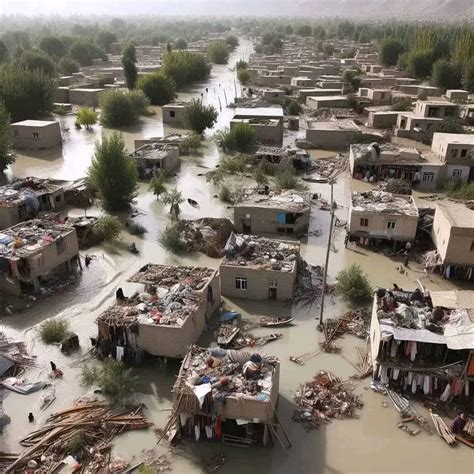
4 55
170 239
140 102
87 117
463 49
468 76
84 50
289 30
34 59
68 66
117 109
113 173
53 46
131 73
419 63
130 53
243 76
241 137
304 30
389 51
293 107
158 88
218 52
191 142
446 75
285 178
157 185
185 67
232 41
180 44
198 117
451 125
352 77
353 285
26 94
6 139
174 199
402 105
241 64
105 40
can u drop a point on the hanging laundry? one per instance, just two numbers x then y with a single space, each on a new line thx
445 395
426 385
394 348
119 353
395 374
413 351
197 432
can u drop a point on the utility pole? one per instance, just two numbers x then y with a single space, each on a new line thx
325 274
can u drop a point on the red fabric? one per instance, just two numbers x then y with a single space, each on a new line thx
218 428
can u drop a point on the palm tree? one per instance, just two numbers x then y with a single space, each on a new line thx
174 198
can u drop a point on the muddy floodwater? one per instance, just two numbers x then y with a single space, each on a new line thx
370 444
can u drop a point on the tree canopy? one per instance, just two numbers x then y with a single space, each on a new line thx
218 52
198 117
35 59
446 75
185 67
117 109
84 50
68 66
389 51
53 46
158 88
6 139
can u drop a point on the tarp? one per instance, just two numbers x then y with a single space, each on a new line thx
454 299
230 315
459 331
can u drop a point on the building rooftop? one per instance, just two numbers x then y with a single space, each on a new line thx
459 138
249 112
259 121
458 214
176 104
29 237
153 151
328 97
386 203
261 253
34 123
292 201
21 190
333 125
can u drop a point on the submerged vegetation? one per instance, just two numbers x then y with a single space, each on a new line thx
353 285
53 331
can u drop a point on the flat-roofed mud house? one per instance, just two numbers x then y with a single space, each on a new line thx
267 122
36 134
422 344
333 134
164 319
23 199
277 212
156 158
376 216
275 158
226 396
173 112
32 251
258 268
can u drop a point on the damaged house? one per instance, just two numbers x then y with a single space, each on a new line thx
23 199
377 216
226 396
274 158
258 268
155 158
163 319
32 251
275 212
423 344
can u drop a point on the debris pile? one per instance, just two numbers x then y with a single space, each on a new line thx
325 168
84 431
309 284
324 398
383 202
395 186
85 230
79 194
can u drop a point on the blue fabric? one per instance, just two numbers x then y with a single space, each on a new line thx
281 217
230 315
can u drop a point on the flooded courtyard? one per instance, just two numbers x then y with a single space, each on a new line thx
371 443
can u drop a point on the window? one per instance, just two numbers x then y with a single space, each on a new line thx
433 111
36 135
364 222
454 153
241 283
428 177
391 225
172 114
463 153
448 112
457 173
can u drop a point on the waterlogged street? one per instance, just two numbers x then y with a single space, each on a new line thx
369 444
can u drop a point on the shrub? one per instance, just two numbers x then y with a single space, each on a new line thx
191 142
293 107
218 52
53 331
241 137
243 76
260 176
87 117
108 228
170 239
198 117
158 88
455 189
112 377
402 105
232 41
180 44
353 285
117 109
136 229
241 64
226 195
36 60
451 125
139 101
157 185
174 199
286 179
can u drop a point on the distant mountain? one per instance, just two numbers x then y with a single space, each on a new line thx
370 9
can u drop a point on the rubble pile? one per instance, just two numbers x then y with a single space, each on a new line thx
324 398
309 284
86 234
383 202
208 235
395 186
327 167
79 194
85 430
25 190
261 253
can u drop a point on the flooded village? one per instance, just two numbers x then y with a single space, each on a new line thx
251 247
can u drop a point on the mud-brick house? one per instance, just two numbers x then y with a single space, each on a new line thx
32 251
36 134
422 344
87 97
377 216
267 122
156 158
173 112
164 317
226 396
335 134
23 199
453 237
258 268
274 212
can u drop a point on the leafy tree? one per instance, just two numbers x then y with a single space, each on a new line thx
6 139
463 49
446 75
243 76
241 137
113 173
157 185
158 88
117 109
174 199
105 40
304 30
68 66
293 107
53 46
108 228
84 50
328 49
191 142
198 117
131 73
26 94
185 67
3 52
232 41
468 76
114 379
289 30
87 117
389 51
34 59
129 53
168 47
180 44
286 179
419 63
353 285
241 64
218 52
170 239
352 77
140 102
402 105
451 125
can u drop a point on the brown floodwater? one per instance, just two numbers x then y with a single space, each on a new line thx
370 444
